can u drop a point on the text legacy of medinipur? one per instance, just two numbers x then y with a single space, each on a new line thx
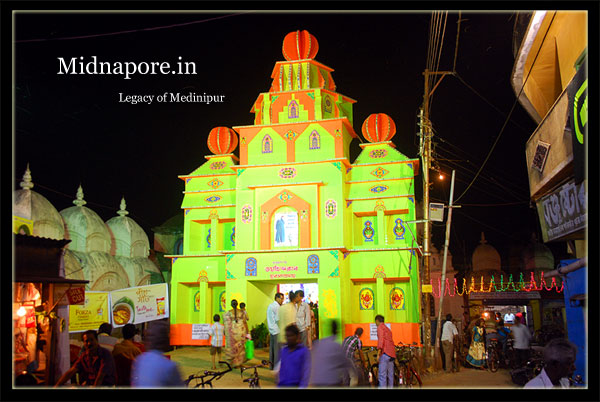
79 65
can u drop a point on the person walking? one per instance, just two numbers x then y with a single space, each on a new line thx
522 338
303 319
216 331
235 335
273 326
476 356
330 365
559 365
449 331
152 369
386 353
124 354
287 316
352 346
295 361
245 313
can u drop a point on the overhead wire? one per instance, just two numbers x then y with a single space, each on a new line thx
510 112
456 44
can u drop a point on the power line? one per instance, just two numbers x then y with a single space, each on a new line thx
509 113
456 45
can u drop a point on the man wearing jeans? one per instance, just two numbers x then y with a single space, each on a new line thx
386 353
273 325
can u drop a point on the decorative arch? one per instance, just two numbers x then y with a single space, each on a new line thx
285 198
267 144
293 110
314 141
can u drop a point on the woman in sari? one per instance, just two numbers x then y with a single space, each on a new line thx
476 356
235 335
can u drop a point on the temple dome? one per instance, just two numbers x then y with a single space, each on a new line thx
86 230
28 204
139 270
485 257
536 256
102 270
130 238
222 140
299 45
378 127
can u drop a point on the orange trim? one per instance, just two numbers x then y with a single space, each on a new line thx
397 279
181 334
363 280
386 212
317 183
407 332
224 220
275 203
183 177
319 218
377 180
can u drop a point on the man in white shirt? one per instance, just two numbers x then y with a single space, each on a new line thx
303 319
273 325
449 331
522 337
559 359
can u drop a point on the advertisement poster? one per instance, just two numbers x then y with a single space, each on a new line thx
139 304
93 312
285 227
200 331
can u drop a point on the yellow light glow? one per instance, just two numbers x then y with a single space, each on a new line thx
441 176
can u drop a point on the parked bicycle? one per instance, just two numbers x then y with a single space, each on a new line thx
493 355
405 373
372 370
202 380
254 380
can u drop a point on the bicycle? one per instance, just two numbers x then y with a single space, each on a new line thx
493 356
404 371
201 379
253 381
372 370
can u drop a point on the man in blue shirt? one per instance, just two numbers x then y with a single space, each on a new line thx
273 326
295 361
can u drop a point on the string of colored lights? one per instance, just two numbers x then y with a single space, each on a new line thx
520 286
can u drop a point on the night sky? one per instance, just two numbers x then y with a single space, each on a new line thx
72 129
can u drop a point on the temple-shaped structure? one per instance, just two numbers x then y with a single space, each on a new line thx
295 209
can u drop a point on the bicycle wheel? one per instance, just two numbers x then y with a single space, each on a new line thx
375 374
403 380
493 360
415 378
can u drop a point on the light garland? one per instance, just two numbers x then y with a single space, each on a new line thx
520 286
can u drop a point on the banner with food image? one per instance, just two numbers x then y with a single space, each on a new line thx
139 304
91 314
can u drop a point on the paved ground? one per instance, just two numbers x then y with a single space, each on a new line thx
194 359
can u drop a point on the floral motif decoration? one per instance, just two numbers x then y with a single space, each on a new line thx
314 142
217 165
330 209
313 264
327 104
379 172
368 231
246 214
304 215
212 198
396 299
338 133
285 196
291 135
222 302
379 206
379 272
208 239
378 189
214 214
202 276
197 303
243 140
399 229
215 183
293 110
232 237
378 153
251 266
287 173
366 298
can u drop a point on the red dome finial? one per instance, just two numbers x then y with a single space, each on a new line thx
222 140
378 127
300 45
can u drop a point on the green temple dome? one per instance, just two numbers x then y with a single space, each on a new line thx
130 238
536 256
485 257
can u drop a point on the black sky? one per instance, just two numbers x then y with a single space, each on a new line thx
72 130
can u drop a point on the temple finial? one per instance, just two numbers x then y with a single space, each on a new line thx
122 211
79 201
26 184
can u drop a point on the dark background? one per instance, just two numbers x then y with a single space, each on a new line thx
71 128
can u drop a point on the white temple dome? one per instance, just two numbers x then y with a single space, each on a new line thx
130 238
485 257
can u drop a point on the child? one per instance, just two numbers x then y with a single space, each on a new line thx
216 332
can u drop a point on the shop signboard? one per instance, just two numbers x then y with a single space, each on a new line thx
564 211
139 304
69 294
578 118
89 315
436 212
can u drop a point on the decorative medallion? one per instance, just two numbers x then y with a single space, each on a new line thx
335 273
232 237
379 206
379 272
208 239
250 266
285 196
215 183
328 106
314 142
291 135
304 215
396 299
246 214
378 189
313 264
399 229
197 301
379 172
222 302
267 144
293 109
365 298
330 209
378 153
203 276
287 173
368 231
212 198
217 165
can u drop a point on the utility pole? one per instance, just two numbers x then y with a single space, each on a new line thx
426 133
